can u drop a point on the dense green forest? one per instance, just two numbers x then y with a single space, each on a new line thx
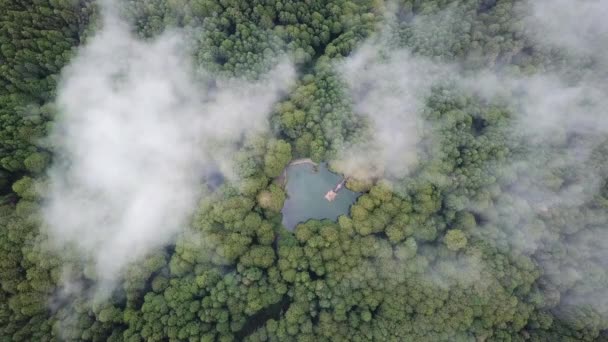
497 230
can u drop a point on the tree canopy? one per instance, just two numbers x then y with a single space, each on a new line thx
462 248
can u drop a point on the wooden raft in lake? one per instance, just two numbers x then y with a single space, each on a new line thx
331 194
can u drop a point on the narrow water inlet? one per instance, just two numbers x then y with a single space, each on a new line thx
307 187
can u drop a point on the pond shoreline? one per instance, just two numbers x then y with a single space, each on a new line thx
282 179
301 161
306 193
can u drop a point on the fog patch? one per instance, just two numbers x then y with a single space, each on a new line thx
553 201
388 89
557 135
580 26
136 131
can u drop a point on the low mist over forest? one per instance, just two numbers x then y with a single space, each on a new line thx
144 147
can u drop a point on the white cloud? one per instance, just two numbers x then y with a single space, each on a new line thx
135 134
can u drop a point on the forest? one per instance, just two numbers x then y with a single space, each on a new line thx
142 144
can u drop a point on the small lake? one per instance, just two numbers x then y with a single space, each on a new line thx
306 187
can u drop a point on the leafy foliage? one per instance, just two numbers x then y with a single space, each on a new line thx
450 253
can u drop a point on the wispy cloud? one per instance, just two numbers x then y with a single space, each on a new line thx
136 133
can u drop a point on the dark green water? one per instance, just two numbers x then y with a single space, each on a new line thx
306 188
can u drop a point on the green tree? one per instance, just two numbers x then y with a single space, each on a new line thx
455 239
